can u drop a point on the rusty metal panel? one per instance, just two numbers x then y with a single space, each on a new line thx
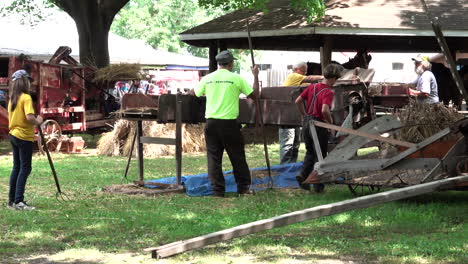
281 93
193 108
274 112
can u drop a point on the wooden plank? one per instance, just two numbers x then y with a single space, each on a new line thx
303 215
363 134
157 140
346 149
313 132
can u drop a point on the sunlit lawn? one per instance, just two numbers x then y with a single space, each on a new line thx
95 227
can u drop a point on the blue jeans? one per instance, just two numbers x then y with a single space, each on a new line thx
289 139
22 156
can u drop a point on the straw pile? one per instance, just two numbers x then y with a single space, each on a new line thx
119 140
424 120
118 72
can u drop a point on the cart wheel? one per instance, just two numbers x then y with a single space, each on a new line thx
462 167
52 135
359 189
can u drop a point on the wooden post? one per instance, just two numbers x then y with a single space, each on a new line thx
222 45
178 139
326 52
304 215
213 51
140 150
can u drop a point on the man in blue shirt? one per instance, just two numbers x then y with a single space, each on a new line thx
426 85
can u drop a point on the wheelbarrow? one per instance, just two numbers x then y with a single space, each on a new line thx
414 165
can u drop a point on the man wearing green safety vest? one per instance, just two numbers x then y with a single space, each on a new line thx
222 131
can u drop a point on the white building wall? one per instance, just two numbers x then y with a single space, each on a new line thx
381 62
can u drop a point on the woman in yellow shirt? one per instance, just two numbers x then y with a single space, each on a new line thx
21 125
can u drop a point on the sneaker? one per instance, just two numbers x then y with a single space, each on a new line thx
11 205
300 179
245 193
23 206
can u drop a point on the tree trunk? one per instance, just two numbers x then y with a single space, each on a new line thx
93 19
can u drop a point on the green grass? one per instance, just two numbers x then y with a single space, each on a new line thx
95 227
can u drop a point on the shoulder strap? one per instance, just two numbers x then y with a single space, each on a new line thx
314 99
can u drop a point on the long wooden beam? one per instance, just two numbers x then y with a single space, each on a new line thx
303 215
363 134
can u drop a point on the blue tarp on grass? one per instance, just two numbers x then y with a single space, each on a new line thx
199 185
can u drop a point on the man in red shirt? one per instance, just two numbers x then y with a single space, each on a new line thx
315 103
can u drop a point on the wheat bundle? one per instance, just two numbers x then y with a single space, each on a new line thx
421 120
110 143
193 140
118 72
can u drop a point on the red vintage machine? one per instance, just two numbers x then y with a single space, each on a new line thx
62 92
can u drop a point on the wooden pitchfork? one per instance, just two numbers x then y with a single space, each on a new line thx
259 114
59 195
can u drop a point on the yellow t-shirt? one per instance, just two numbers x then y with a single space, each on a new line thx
294 79
18 124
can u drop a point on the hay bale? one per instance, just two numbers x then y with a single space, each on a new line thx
105 144
424 120
119 141
193 138
118 72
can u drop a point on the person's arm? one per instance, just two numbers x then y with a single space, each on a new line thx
327 114
300 105
255 94
34 120
417 93
199 90
312 78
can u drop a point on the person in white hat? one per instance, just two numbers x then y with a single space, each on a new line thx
426 89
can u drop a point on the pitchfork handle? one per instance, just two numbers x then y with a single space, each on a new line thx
50 159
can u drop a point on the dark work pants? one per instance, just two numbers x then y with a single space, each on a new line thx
311 156
22 156
223 135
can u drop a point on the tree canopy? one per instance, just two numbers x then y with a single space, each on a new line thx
159 23
93 19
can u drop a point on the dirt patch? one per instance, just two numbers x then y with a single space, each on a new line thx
132 189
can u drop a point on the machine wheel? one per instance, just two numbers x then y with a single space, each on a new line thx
52 136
